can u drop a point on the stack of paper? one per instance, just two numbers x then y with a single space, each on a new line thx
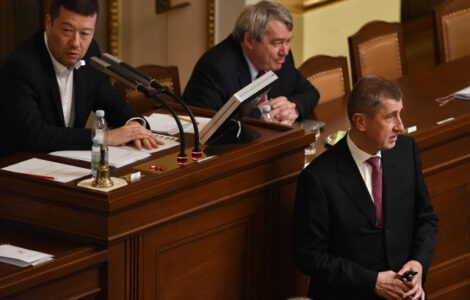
22 257
118 156
166 124
48 170
463 94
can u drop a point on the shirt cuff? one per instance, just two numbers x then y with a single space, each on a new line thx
142 121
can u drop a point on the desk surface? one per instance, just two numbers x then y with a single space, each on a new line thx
420 108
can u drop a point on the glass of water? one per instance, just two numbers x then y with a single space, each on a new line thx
314 126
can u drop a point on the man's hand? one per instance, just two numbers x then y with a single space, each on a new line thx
282 110
390 286
415 285
133 131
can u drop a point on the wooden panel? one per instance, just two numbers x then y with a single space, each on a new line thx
454 230
220 249
86 284
449 276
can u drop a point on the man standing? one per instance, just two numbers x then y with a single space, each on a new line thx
259 43
363 216
49 90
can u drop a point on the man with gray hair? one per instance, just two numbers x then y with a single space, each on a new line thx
363 225
259 43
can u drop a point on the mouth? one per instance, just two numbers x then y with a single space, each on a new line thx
72 54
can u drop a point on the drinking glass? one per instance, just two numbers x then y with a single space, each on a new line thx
314 126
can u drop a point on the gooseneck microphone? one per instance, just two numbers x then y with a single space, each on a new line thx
152 82
125 76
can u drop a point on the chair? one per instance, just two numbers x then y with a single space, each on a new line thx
164 75
328 74
451 30
378 49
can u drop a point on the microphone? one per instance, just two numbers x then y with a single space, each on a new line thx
128 79
110 70
152 82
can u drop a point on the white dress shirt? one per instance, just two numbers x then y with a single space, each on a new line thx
65 81
360 158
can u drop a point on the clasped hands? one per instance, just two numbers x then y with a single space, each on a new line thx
391 285
282 110
136 132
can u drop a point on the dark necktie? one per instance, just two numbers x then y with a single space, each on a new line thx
263 97
374 161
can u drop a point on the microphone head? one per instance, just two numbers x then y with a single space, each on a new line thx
98 64
108 69
110 59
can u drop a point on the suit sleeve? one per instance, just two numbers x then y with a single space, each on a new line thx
28 123
425 233
311 231
205 88
106 97
303 93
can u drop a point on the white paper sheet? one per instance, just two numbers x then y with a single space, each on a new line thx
40 167
164 123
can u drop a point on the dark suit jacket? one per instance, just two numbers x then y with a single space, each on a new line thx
223 70
31 116
335 237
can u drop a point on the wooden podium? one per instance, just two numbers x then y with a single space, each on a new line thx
218 229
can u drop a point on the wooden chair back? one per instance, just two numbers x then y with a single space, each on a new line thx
378 49
451 30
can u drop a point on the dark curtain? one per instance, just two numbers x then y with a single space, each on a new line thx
19 19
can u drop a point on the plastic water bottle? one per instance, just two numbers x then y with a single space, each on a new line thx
267 113
99 135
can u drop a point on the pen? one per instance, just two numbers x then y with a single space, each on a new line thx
40 176
185 119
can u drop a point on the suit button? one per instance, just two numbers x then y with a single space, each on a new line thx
389 258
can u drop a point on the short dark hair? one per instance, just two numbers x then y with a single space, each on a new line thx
81 7
255 19
368 95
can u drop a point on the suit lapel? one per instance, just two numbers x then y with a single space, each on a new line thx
51 77
244 75
79 82
351 181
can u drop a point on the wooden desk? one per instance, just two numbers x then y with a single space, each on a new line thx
77 271
445 154
219 229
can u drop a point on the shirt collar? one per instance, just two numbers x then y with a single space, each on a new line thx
358 155
58 67
251 67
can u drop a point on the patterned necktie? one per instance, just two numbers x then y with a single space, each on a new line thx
263 97
374 161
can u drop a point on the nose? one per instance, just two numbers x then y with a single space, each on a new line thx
399 124
74 40
284 49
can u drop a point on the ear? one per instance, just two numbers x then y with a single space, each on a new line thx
47 22
248 40
359 121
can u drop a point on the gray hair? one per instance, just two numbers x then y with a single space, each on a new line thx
368 95
255 19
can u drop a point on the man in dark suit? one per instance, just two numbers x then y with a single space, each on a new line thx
359 226
49 90
259 43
